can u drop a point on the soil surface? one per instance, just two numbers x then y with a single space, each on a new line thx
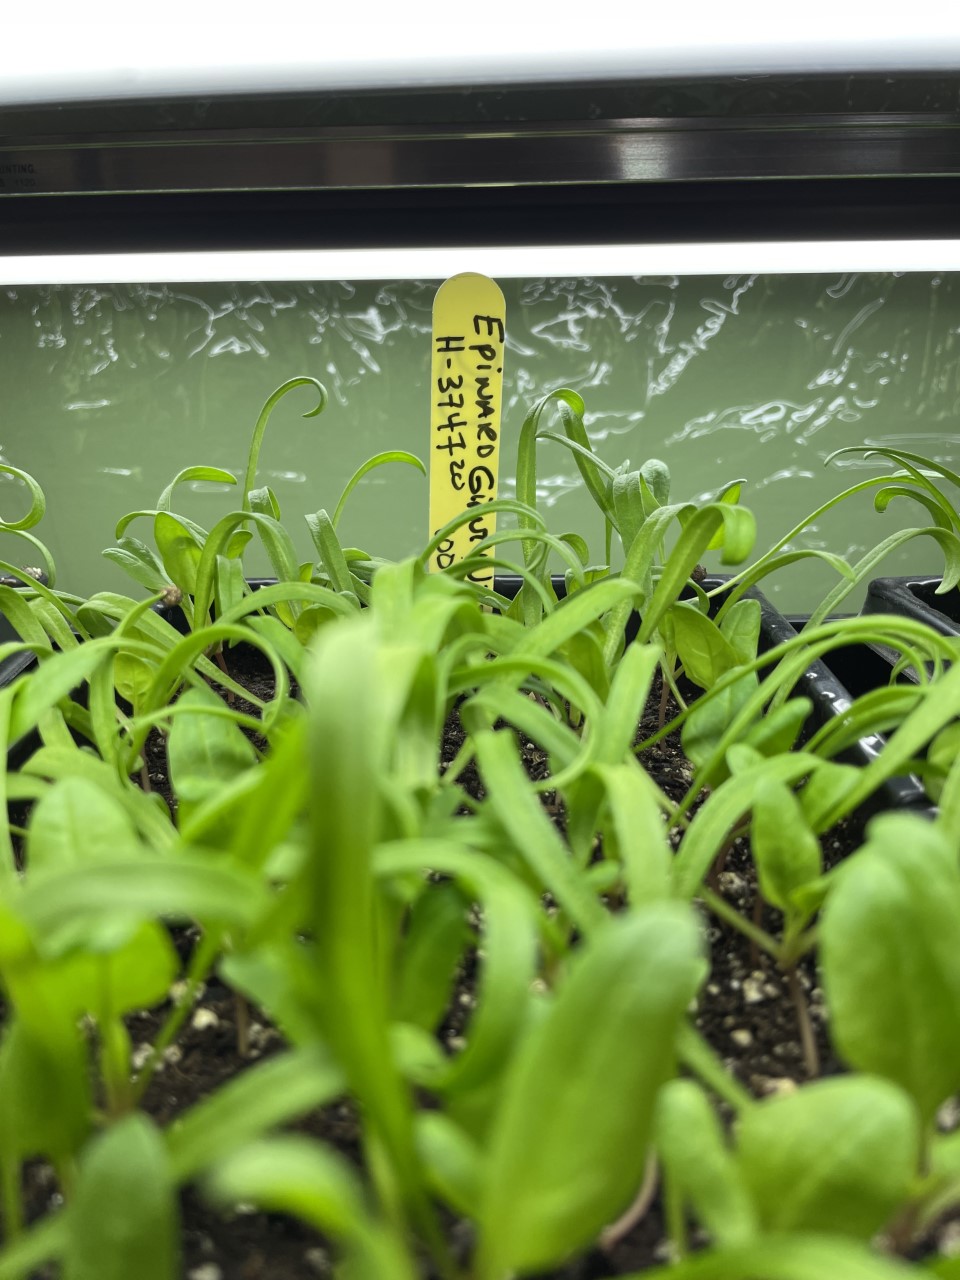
747 1010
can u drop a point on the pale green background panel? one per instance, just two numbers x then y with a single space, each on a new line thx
109 391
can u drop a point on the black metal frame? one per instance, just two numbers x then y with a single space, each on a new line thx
722 158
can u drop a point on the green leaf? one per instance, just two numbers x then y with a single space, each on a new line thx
941 756
705 652
509 960
280 979
785 1257
179 550
347 683
125 1219
265 1096
454 1162
741 628
435 938
708 720
628 506
564 1158
739 532
785 850
75 825
891 966
62 673
584 652
656 475
150 818
38 503
211 474
836 1156
136 559
532 833
42 1242
779 729
296 1175
640 835
132 677
54 623
205 751
696 1159
827 790
730 493
45 1101
378 460
263 501
256 441
132 976
63 906
712 822
574 615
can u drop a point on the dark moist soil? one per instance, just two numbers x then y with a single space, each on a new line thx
745 1011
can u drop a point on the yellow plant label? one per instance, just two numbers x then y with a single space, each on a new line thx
466 390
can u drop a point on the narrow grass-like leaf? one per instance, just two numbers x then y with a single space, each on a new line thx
267 1095
38 503
531 832
215 475
296 1175
181 888
253 457
636 819
378 460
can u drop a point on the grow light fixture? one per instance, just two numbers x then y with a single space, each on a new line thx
504 262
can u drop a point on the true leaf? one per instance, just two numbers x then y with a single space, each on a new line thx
778 730
179 550
565 1158
125 1219
205 751
436 936
836 1156
44 1082
77 824
741 628
785 850
695 1156
785 1257
705 652
891 966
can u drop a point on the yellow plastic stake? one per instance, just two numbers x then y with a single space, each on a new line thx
466 390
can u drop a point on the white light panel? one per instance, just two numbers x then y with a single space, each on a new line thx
769 258
60 51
